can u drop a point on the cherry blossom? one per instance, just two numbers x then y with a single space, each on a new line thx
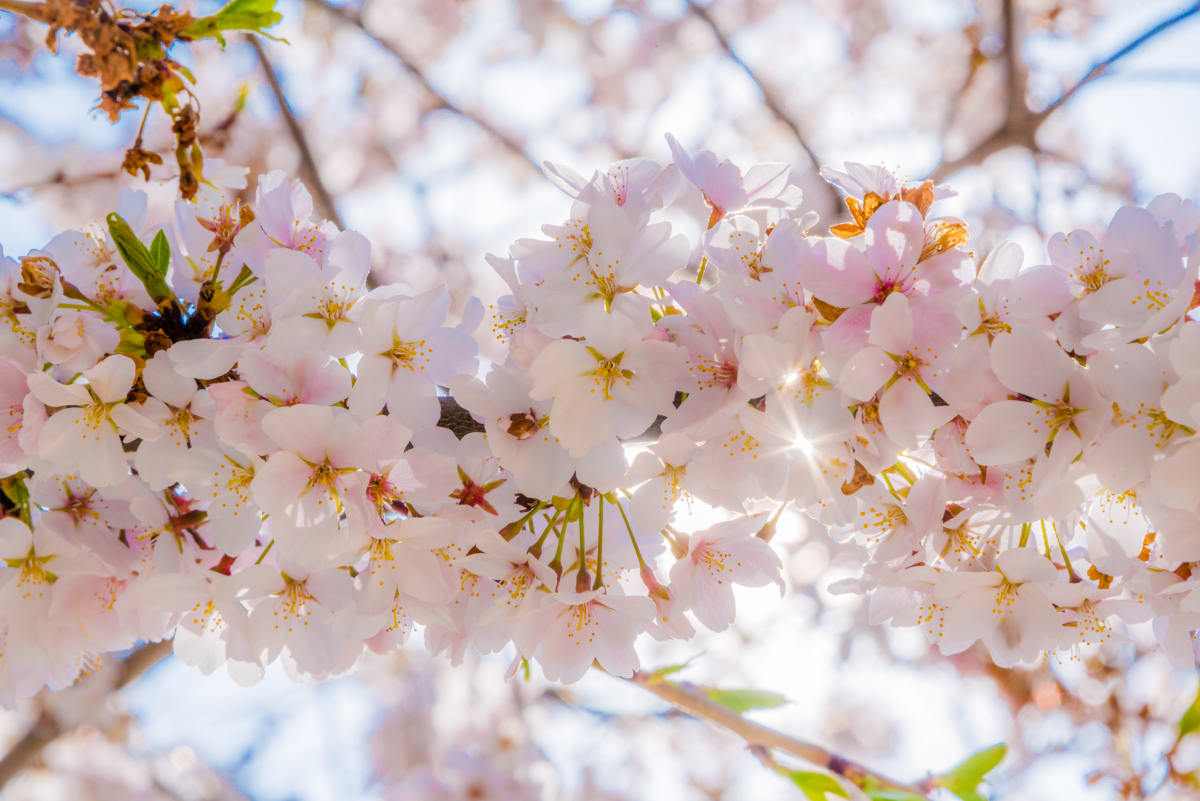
278 463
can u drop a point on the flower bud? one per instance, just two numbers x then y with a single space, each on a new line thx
656 589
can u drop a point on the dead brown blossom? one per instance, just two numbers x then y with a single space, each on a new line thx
127 54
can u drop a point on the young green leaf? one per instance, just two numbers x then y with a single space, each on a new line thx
893 795
137 257
667 670
160 253
237 15
815 786
1190 721
964 778
744 700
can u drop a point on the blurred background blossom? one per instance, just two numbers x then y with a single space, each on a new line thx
423 124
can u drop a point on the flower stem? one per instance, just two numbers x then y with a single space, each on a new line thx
636 550
599 583
582 580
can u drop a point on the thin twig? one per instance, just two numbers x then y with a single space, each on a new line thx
59 179
694 702
47 729
406 63
770 100
1021 125
1102 65
325 204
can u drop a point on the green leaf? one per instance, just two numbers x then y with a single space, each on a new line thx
160 253
893 795
1191 718
237 15
816 785
667 670
964 778
137 257
743 700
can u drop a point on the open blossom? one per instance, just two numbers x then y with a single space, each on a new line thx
304 482
613 383
1009 608
725 189
570 629
86 430
1062 401
407 352
717 558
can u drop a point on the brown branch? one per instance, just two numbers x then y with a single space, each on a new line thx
406 63
457 419
693 701
1021 125
770 100
1098 69
35 11
62 180
325 204
1014 84
47 728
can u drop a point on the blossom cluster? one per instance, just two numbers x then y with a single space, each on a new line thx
229 437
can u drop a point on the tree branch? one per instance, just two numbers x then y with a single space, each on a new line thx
1021 125
770 100
457 419
325 204
1102 65
47 728
355 19
694 702
1013 83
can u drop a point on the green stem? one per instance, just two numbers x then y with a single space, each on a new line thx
556 562
599 583
636 550
217 267
582 579
1066 559
266 550
535 550
525 518
903 470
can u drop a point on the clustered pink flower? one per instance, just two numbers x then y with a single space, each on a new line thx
1010 449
